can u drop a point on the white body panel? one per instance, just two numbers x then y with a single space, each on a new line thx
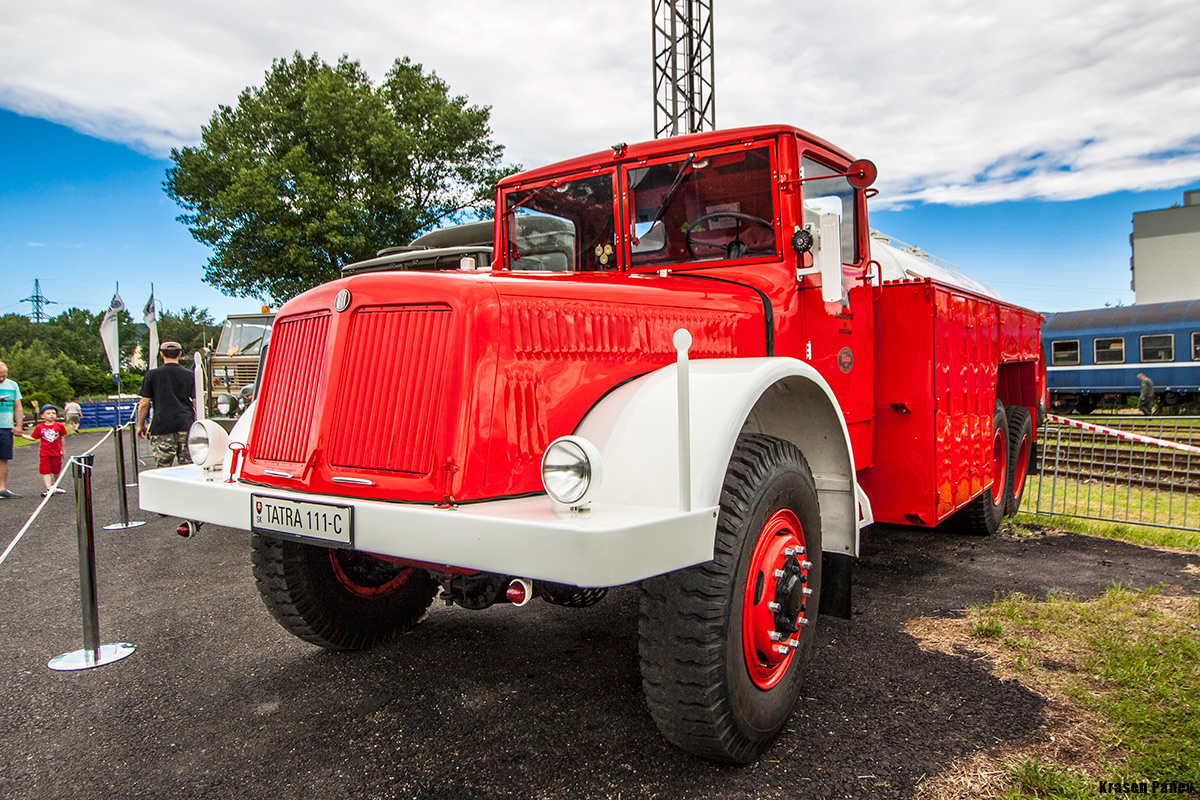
635 427
634 528
527 537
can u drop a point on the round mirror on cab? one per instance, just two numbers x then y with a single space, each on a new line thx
862 173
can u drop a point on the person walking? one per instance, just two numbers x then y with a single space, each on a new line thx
49 432
11 421
170 391
74 413
1146 397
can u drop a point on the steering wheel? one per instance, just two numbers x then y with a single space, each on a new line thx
734 249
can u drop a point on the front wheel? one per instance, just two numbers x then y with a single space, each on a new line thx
340 599
724 644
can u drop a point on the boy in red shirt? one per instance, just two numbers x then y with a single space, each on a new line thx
50 452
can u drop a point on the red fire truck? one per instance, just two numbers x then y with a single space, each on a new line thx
686 364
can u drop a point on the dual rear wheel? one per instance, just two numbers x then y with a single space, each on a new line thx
1012 449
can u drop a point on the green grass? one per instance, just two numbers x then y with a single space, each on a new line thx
1129 659
1145 535
1033 779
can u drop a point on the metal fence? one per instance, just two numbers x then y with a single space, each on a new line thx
1122 468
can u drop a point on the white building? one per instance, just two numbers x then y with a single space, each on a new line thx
1166 253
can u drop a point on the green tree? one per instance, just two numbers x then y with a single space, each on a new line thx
39 373
192 327
318 167
76 334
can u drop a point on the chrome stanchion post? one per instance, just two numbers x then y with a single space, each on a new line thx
122 499
133 447
93 653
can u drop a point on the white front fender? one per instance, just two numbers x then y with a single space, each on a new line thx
635 428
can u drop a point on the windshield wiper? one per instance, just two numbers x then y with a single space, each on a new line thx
533 194
662 209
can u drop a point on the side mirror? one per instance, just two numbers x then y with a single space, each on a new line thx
862 173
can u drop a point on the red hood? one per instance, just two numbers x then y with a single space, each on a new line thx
434 385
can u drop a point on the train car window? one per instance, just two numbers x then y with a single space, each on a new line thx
1064 353
1195 346
1109 350
1158 347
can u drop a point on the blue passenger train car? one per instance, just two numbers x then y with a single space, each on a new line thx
1094 356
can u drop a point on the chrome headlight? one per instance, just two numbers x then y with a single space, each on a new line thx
226 404
207 443
571 471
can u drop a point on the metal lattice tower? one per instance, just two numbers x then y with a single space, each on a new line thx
684 98
39 301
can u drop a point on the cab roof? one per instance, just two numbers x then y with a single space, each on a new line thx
673 144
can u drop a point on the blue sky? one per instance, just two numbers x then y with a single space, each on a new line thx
1014 140
79 214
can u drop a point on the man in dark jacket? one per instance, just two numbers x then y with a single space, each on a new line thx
1146 395
171 390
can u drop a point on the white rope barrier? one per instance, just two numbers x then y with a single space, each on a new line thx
1120 434
46 499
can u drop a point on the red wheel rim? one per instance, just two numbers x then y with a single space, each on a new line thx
762 639
999 466
366 576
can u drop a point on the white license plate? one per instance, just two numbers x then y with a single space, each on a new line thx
329 523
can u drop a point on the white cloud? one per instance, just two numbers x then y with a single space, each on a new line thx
957 101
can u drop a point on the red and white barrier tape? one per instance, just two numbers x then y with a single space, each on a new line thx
1087 426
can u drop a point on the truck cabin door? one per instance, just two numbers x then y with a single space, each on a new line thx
839 320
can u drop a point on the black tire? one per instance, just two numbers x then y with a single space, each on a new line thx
711 687
982 516
339 599
1020 455
1085 405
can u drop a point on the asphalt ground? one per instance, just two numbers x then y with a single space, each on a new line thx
218 701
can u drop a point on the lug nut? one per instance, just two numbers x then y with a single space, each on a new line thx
805 565
782 649
793 643
775 636
773 606
807 591
799 551
802 621
778 573
789 551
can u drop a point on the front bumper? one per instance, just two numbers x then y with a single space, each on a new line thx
527 537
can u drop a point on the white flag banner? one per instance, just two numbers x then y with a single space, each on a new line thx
108 333
151 319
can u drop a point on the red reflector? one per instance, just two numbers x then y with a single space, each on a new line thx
516 593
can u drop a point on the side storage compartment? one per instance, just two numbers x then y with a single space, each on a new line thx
936 356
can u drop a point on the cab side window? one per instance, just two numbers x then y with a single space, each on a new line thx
831 195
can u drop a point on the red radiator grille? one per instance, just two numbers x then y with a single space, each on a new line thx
395 368
284 419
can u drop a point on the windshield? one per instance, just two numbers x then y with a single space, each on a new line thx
565 225
244 337
703 207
